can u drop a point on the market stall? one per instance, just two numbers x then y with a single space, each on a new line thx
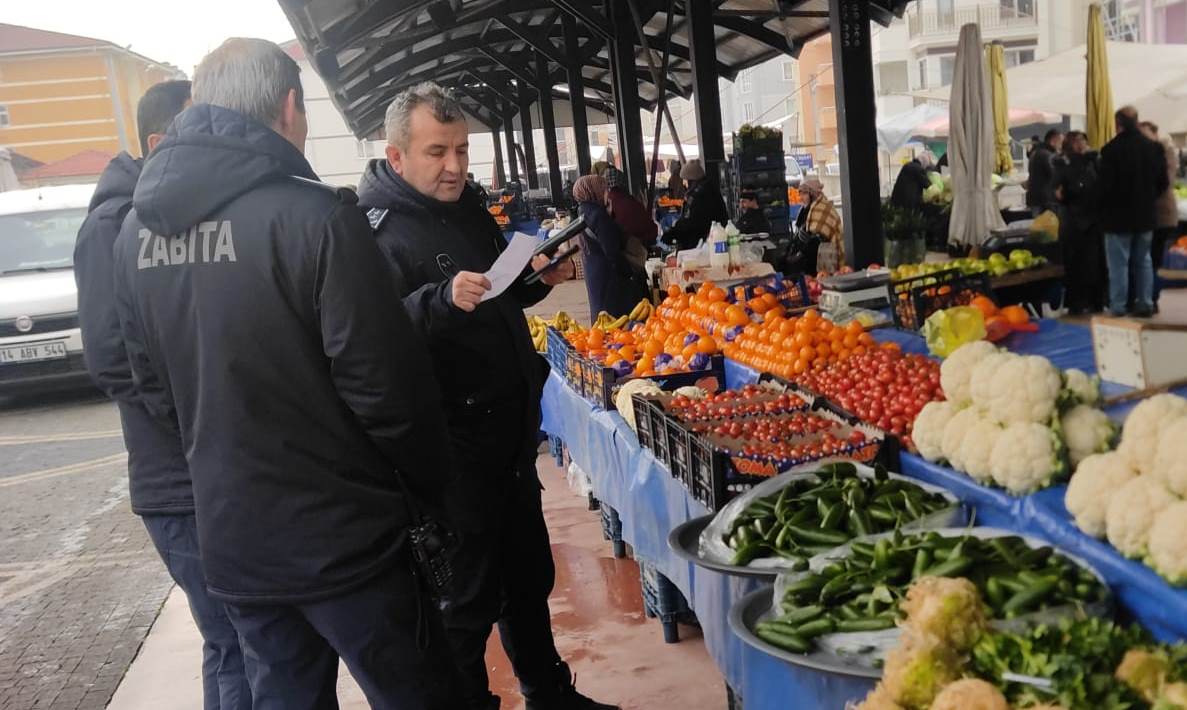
650 502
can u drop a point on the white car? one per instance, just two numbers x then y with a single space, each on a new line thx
40 343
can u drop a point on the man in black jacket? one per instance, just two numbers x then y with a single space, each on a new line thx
1040 181
255 310
1132 176
703 205
751 219
158 477
439 239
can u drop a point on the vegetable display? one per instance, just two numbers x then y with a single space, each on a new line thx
748 401
791 347
1012 420
1134 495
994 264
815 514
862 590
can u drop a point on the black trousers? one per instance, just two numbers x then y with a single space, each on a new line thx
387 632
504 575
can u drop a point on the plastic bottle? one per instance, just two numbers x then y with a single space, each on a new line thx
719 254
735 245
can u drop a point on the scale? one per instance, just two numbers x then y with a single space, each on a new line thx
861 289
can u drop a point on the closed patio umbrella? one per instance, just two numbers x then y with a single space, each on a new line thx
996 57
1097 90
971 145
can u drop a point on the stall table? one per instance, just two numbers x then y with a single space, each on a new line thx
650 502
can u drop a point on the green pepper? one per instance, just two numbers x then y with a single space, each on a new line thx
750 552
952 567
1030 597
803 614
807 583
862 549
801 516
783 539
859 523
818 537
996 592
783 639
912 509
840 468
816 627
744 536
835 586
881 513
836 513
876 623
882 553
922 562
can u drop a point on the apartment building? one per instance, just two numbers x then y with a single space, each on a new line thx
1149 21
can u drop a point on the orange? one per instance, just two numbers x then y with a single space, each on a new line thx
717 310
807 352
759 290
736 315
823 350
854 328
768 298
688 352
849 341
892 346
674 291
984 304
787 327
811 314
773 318
715 295
758 305
612 357
1017 315
652 348
627 352
865 339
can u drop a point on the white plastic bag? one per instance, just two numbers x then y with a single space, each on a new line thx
579 481
713 546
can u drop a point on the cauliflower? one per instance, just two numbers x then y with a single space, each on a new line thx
1026 457
1016 388
970 694
1143 671
1168 543
1087 431
623 402
917 669
956 371
1131 512
1092 485
691 392
879 699
954 432
948 609
1174 697
1080 388
928 431
977 446
1144 426
1170 461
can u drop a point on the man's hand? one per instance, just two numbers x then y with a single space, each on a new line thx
561 273
468 289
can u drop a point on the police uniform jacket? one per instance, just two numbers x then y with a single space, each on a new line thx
253 302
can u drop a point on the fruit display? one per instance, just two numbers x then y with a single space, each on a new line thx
1135 496
750 400
1012 420
881 386
790 347
996 264
859 587
823 509
948 658
538 327
787 439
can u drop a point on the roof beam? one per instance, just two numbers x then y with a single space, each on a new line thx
533 39
756 31
592 19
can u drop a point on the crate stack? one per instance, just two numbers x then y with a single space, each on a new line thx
757 164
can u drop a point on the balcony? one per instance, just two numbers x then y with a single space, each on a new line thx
993 19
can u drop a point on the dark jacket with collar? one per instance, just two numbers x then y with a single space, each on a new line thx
703 205
1040 181
158 476
1133 175
486 364
253 304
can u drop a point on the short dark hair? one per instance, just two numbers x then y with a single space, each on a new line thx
158 107
748 195
1051 134
1127 118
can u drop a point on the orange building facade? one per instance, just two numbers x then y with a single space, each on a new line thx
61 95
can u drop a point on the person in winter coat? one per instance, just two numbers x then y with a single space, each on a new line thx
703 205
751 219
675 184
1079 228
818 225
438 240
1166 209
1133 175
256 314
1040 181
614 285
158 475
908 189
628 212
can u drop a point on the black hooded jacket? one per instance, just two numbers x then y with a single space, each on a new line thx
485 359
254 304
158 476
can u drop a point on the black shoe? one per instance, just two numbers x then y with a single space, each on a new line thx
568 699
1143 312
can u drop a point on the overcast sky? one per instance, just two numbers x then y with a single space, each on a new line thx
175 31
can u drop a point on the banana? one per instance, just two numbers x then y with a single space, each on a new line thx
617 323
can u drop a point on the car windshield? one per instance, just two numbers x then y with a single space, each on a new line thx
793 167
38 241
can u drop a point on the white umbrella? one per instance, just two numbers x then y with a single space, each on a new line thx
896 131
971 145
8 179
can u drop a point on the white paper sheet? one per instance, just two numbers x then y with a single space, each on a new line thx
510 264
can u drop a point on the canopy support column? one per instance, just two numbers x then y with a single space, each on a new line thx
576 95
853 71
500 174
548 123
702 50
525 126
509 135
626 94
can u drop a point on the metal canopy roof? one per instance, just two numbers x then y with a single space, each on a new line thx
367 51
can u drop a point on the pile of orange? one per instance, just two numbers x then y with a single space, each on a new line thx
792 346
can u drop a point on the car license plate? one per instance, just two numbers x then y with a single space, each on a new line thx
51 350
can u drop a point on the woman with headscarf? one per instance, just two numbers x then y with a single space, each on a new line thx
675 184
703 205
612 283
819 222
628 211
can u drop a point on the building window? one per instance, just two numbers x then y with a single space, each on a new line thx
363 148
947 67
1015 57
5 121
747 111
923 74
744 82
788 71
946 11
1017 8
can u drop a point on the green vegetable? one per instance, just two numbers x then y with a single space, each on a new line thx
786 640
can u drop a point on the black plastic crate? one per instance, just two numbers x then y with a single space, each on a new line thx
751 160
563 359
612 530
600 381
792 291
662 600
764 177
651 427
913 300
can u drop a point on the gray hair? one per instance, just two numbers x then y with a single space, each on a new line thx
251 76
444 106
